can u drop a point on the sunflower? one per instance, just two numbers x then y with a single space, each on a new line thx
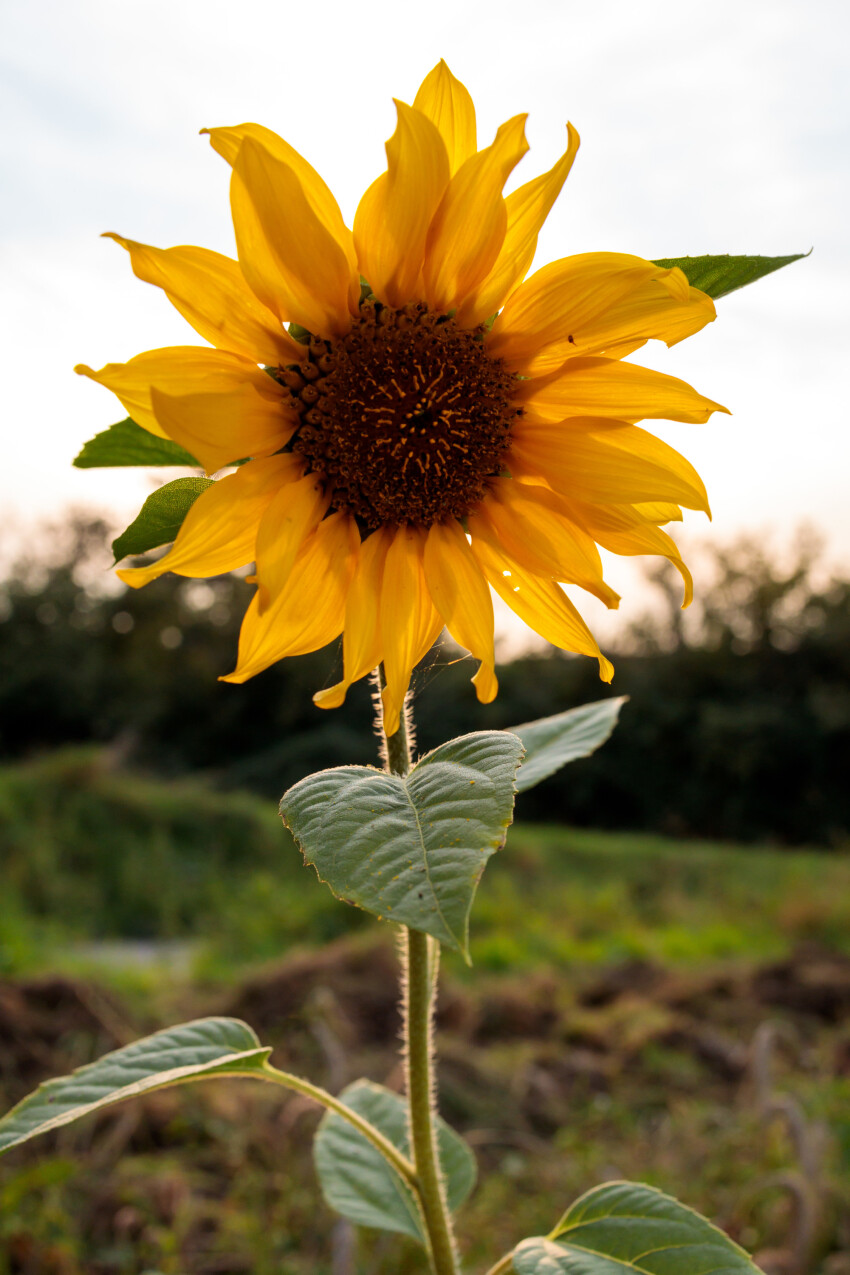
422 423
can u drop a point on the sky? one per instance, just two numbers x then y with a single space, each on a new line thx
706 127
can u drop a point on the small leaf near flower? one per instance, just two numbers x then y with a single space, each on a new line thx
551 742
126 443
160 518
718 276
361 1185
410 848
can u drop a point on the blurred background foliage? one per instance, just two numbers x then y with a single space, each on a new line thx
738 725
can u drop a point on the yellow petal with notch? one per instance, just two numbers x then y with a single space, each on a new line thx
448 105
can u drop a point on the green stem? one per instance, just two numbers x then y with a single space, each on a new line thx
400 1162
421 963
505 1264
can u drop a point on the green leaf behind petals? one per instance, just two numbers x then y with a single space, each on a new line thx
160 517
551 742
719 276
625 1228
128 444
201 1049
413 848
361 1185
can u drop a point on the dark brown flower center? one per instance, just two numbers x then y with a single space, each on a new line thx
406 416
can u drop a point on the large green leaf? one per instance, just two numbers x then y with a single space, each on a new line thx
361 1185
207 1047
551 742
719 276
411 849
160 517
624 1228
128 444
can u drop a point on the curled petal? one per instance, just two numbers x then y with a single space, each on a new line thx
527 210
448 105
289 258
624 530
210 291
468 229
558 300
535 526
606 387
410 623
392 220
226 141
539 603
188 370
460 593
309 612
606 462
219 532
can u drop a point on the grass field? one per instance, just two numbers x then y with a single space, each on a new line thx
606 1029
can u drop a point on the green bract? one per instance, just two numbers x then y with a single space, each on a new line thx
160 518
128 444
718 276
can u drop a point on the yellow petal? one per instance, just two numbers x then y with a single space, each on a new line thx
559 299
226 141
448 105
658 511
289 258
223 427
607 462
309 612
410 623
220 530
362 648
527 210
541 604
182 369
606 387
392 220
468 229
460 593
622 529
290 518
533 524
654 311
210 292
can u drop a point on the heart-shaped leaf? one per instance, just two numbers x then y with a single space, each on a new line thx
128 444
625 1228
413 848
160 517
721 275
551 742
361 1185
204 1048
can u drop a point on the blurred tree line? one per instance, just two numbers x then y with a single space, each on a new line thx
738 724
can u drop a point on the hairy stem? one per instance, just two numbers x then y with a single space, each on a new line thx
419 982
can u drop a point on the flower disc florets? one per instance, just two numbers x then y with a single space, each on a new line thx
405 417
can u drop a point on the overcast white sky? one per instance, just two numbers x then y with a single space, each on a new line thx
706 127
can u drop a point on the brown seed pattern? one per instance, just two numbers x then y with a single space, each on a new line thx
406 416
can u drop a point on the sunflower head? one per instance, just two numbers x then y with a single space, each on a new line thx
422 424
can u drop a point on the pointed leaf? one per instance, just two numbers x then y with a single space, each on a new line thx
551 742
625 1228
160 517
361 1185
204 1048
721 275
410 849
128 444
